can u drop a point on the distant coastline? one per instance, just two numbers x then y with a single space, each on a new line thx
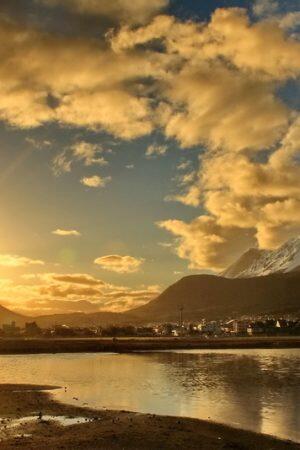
128 345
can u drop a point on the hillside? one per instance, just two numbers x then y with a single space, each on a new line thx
85 320
201 296
7 316
214 296
257 262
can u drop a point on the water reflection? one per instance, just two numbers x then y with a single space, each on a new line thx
253 389
257 390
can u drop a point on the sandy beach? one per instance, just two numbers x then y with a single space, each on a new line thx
32 419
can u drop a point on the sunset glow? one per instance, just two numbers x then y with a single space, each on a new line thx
140 144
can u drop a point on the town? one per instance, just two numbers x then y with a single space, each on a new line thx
242 327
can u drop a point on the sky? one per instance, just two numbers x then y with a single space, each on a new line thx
142 142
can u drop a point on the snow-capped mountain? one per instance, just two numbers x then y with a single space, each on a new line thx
256 262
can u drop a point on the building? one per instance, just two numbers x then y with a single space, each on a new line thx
11 329
237 326
211 328
32 329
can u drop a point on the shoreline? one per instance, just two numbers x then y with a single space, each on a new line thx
116 430
15 346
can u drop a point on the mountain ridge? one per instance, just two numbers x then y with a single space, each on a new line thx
77 319
212 296
8 316
201 296
260 262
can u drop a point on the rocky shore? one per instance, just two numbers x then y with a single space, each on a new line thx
30 418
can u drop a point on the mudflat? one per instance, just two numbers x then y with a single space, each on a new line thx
127 345
32 419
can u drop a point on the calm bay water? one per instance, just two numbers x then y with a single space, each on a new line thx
252 389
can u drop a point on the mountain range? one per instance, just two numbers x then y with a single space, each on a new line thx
258 262
259 282
74 320
200 296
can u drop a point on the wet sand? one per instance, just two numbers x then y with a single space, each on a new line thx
128 345
114 430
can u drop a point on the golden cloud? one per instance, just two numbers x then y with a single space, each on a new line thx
77 278
53 293
95 181
81 151
91 88
205 244
66 291
60 232
212 84
247 200
7 260
224 108
154 150
119 264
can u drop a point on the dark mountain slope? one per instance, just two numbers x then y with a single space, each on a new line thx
214 296
7 316
85 320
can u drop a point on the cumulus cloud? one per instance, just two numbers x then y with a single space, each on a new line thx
119 264
88 152
91 90
8 260
80 151
229 35
95 181
224 108
191 197
60 232
248 201
154 150
271 10
203 83
38 144
212 85
205 243
224 97
190 190
290 20
265 8
184 165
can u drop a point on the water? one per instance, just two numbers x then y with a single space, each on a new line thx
251 389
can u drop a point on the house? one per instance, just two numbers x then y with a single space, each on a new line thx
237 326
211 328
255 328
280 323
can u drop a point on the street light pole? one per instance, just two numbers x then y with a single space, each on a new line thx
180 319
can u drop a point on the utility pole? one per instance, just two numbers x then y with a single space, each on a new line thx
180 318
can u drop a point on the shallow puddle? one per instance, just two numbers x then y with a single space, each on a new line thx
9 427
